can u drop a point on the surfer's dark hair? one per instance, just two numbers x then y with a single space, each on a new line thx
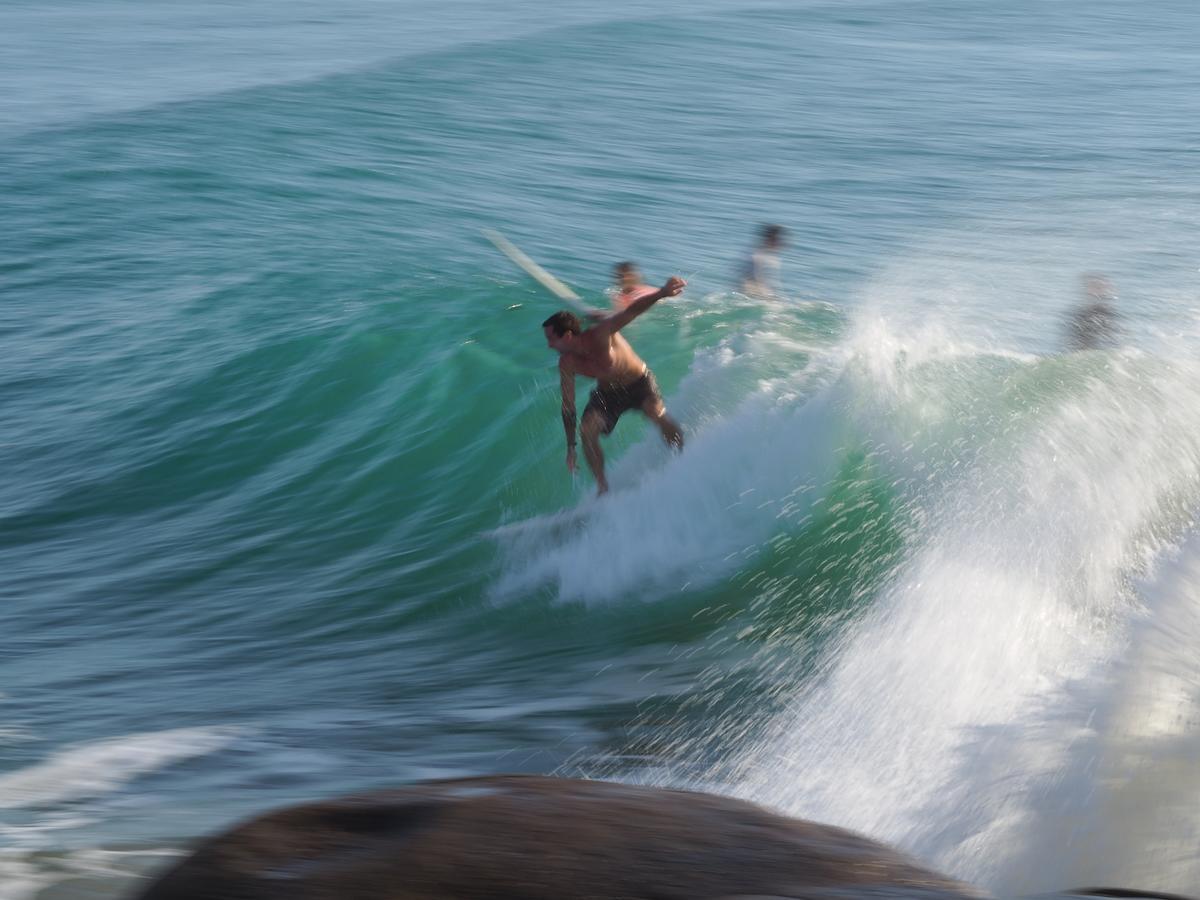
622 267
563 322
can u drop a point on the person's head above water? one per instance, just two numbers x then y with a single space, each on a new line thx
772 236
561 330
626 276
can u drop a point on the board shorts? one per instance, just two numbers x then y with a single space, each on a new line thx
612 400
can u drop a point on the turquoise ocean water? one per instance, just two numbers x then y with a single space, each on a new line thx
281 452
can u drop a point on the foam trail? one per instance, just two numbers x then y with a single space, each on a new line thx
29 874
101 767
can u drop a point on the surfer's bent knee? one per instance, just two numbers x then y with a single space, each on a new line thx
592 425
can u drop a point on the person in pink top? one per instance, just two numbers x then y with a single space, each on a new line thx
628 281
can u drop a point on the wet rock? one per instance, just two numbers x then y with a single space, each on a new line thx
531 837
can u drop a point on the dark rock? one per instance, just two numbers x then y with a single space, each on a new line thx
1129 893
532 838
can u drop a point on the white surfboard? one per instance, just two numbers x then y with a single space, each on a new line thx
544 278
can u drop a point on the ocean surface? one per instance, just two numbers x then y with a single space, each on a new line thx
282 465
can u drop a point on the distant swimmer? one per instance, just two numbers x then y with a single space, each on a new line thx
623 380
760 275
629 285
1093 324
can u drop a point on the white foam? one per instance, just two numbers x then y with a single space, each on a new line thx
1123 805
102 767
1016 590
25 874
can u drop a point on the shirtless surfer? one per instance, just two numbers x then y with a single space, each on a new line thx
628 281
623 380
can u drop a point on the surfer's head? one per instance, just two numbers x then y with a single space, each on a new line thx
772 237
561 330
626 275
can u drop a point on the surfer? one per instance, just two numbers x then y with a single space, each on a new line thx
623 380
1093 324
629 285
760 275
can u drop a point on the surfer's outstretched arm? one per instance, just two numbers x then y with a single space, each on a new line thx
617 321
566 381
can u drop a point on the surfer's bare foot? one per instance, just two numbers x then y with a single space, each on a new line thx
601 488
